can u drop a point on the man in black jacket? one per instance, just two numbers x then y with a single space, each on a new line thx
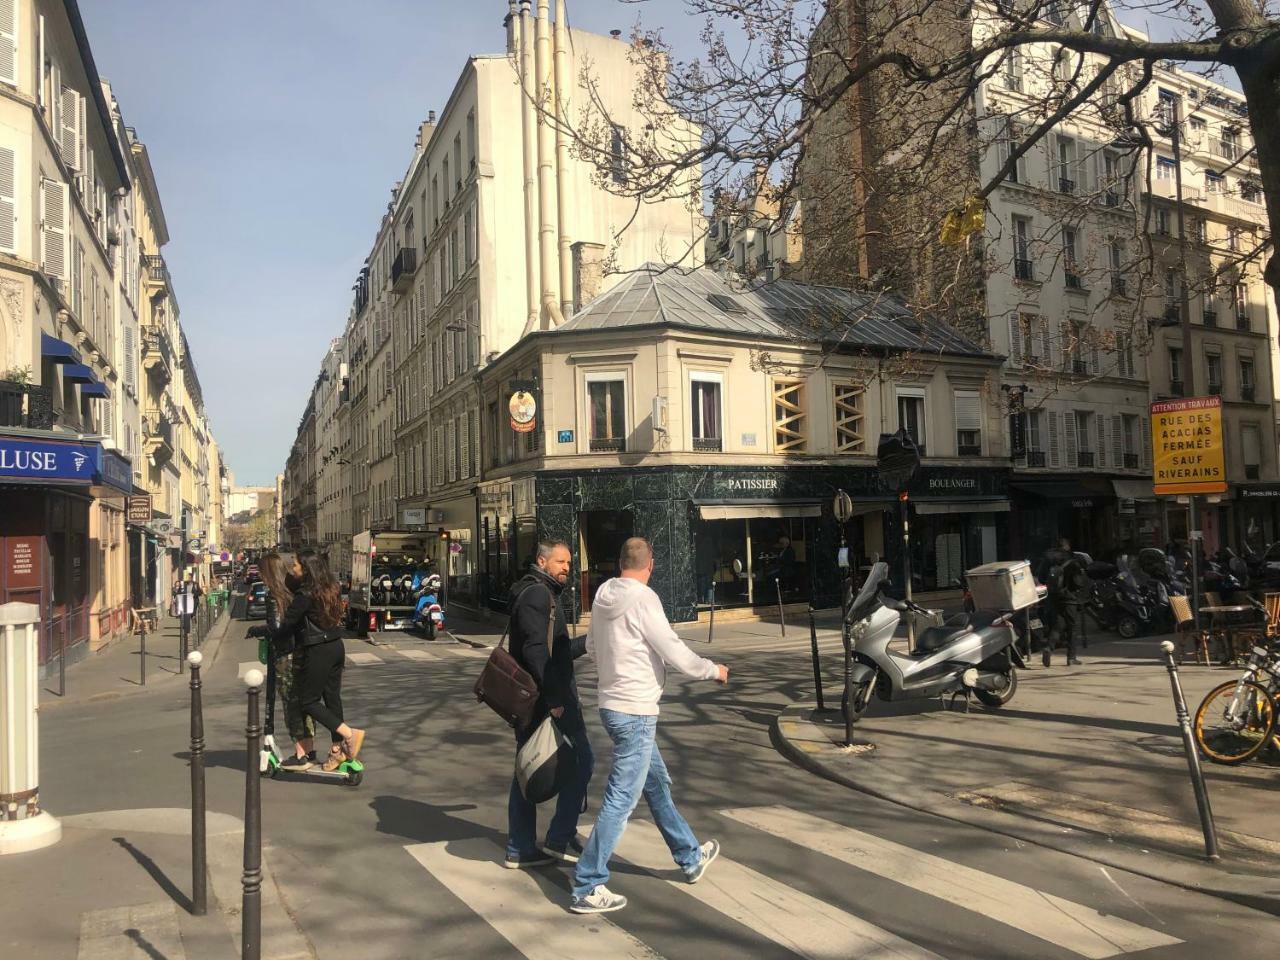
535 601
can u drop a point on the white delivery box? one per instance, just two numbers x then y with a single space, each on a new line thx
1003 585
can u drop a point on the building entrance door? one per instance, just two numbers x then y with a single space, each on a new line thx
602 533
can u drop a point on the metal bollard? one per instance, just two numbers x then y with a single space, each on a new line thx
199 869
817 668
62 658
782 620
251 881
847 703
142 658
1193 756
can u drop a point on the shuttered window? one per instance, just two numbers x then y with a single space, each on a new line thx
1055 443
9 41
8 201
1101 422
968 412
1069 438
1015 340
1121 440
789 416
474 430
69 134
450 443
1250 446
851 433
53 228
131 357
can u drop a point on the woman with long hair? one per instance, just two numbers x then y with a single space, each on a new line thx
301 728
314 619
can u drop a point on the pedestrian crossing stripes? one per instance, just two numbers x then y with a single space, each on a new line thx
436 653
1072 926
363 658
527 908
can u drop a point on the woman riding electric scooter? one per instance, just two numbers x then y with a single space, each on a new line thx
314 619
280 668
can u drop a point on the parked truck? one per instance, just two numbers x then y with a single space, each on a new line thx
383 564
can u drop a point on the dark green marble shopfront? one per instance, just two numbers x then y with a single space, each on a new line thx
777 523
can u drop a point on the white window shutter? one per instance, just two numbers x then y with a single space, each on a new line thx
1101 422
9 41
475 443
968 411
41 96
1146 442
53 228
1117 440
1055 447
1046 343
1015 340
464 448
8 200
69 135
451 446
1069 437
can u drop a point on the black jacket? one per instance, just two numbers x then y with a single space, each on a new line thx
531 599
298 625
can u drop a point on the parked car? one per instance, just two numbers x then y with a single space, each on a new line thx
255 602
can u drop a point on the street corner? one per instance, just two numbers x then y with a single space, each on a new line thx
802 730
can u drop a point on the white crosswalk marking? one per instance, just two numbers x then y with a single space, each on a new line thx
413 653
801 923
363 659
1069 925
446 650
527 909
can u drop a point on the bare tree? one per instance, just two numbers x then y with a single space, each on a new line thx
866 113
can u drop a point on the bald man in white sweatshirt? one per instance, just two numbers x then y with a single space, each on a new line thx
633 644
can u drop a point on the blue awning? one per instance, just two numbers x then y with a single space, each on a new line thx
95 390
78 373
59 351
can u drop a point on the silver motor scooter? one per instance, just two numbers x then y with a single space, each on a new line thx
974 653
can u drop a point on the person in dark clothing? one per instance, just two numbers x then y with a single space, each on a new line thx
313 619
280 676
1064 575
535 599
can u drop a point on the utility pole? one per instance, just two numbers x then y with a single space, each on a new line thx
1184 304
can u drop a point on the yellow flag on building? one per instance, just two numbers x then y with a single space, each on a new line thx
959 224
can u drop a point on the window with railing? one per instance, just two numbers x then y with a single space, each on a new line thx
606 399
911 415
1213 368
968 414
1129 431
1022 267
1085 456
705 418
1070 263
1246 379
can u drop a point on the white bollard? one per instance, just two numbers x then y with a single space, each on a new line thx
23 825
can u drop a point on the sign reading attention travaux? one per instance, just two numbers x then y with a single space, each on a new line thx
1186 446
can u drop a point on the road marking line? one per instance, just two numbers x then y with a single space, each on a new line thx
802 924
363 658
458 650
1070 925
415 654
526 908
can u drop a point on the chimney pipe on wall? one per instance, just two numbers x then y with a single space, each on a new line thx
509 22
546 161
562 158
528 120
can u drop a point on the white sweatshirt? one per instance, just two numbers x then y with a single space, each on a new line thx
632 644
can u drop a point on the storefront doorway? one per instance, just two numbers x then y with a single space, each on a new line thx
602 534
767 546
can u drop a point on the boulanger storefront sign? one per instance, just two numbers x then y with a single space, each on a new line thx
1186 446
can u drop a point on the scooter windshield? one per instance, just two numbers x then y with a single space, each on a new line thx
875 579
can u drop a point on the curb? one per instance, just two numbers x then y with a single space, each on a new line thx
1242 888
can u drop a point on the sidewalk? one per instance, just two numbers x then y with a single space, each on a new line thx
1088 760
115 671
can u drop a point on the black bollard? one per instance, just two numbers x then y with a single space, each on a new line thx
1193 756
711 622
62 661
847 703
782 620
142 659
817 668
199 868
251 881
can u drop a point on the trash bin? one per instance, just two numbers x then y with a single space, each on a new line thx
23 825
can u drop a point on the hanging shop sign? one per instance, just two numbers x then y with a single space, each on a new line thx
1186 446
523 406
140 509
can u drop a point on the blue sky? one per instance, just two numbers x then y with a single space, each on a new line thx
276 129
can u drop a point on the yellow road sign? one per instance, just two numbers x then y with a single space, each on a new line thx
1186 446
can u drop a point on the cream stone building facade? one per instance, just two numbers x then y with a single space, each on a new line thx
74 387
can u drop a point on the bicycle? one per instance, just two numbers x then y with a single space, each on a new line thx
1236 720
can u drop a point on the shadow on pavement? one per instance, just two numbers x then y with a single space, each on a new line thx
158 875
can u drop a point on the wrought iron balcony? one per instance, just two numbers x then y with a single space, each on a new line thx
157 355
1035 458
157 434
1118 286
1084 458
1079 367
1066 185
1023 270
1242 322
27 405
1247 394
1177 388
157 274
1252 471
1111 198
608 445
403 268
1211 318
1131 461
707 444
1074 281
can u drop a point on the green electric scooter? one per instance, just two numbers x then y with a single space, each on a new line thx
271 760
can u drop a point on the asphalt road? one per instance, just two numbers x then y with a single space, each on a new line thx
407 864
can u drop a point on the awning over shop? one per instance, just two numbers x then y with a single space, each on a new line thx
95 390
59 351
78 373
1064 489
752 511
1133 489
964 506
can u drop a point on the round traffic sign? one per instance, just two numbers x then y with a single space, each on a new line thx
843 506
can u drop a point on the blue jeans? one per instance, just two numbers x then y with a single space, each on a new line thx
637 769
522 816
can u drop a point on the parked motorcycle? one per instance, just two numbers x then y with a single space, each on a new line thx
428 612
1115 602
972 653
381 590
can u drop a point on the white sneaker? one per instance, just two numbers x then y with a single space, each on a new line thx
599 900
710 850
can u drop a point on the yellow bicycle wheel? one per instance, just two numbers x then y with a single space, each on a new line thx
1235 721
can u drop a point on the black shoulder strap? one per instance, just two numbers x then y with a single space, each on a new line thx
551 622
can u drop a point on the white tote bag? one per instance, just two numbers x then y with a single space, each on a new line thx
544 763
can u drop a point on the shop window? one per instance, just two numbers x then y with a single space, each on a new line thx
911 415
705 412
789 419
606 400
968 410
851 433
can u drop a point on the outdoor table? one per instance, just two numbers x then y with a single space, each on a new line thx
1225 610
